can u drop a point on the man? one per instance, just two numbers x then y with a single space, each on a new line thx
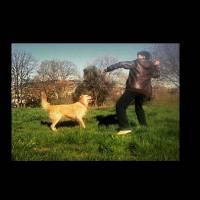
138 87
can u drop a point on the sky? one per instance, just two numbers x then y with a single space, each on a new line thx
81 53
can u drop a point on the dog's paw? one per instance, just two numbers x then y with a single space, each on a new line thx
54 129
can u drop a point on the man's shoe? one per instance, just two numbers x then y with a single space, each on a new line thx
123 132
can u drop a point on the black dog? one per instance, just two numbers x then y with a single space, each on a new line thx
110 119
106 120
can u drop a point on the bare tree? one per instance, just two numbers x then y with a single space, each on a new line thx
169 57
22 67
54 70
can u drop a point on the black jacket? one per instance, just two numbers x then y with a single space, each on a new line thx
140 74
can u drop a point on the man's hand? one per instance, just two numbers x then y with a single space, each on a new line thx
105 70
156 62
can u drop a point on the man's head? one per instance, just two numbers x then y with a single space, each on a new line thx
143 55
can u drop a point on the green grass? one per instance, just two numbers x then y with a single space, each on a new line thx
33 141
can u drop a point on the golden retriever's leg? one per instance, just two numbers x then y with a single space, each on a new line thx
80 120
55 119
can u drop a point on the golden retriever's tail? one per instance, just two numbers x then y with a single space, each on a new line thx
44 102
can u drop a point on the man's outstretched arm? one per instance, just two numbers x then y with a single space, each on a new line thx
156 73
124 65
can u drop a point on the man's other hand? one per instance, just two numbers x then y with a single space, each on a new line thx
156 62
105 70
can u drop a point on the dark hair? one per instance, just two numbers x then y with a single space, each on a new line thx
145 53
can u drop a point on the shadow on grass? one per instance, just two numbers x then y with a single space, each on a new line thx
132 149
61 124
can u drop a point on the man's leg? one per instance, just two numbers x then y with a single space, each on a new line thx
139 99
121 107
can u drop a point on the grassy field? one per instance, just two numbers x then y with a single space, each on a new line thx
32 139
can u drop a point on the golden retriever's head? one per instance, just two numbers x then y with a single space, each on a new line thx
85 99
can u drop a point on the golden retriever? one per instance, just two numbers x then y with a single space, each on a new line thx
75 111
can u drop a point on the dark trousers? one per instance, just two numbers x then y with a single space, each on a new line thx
122 104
